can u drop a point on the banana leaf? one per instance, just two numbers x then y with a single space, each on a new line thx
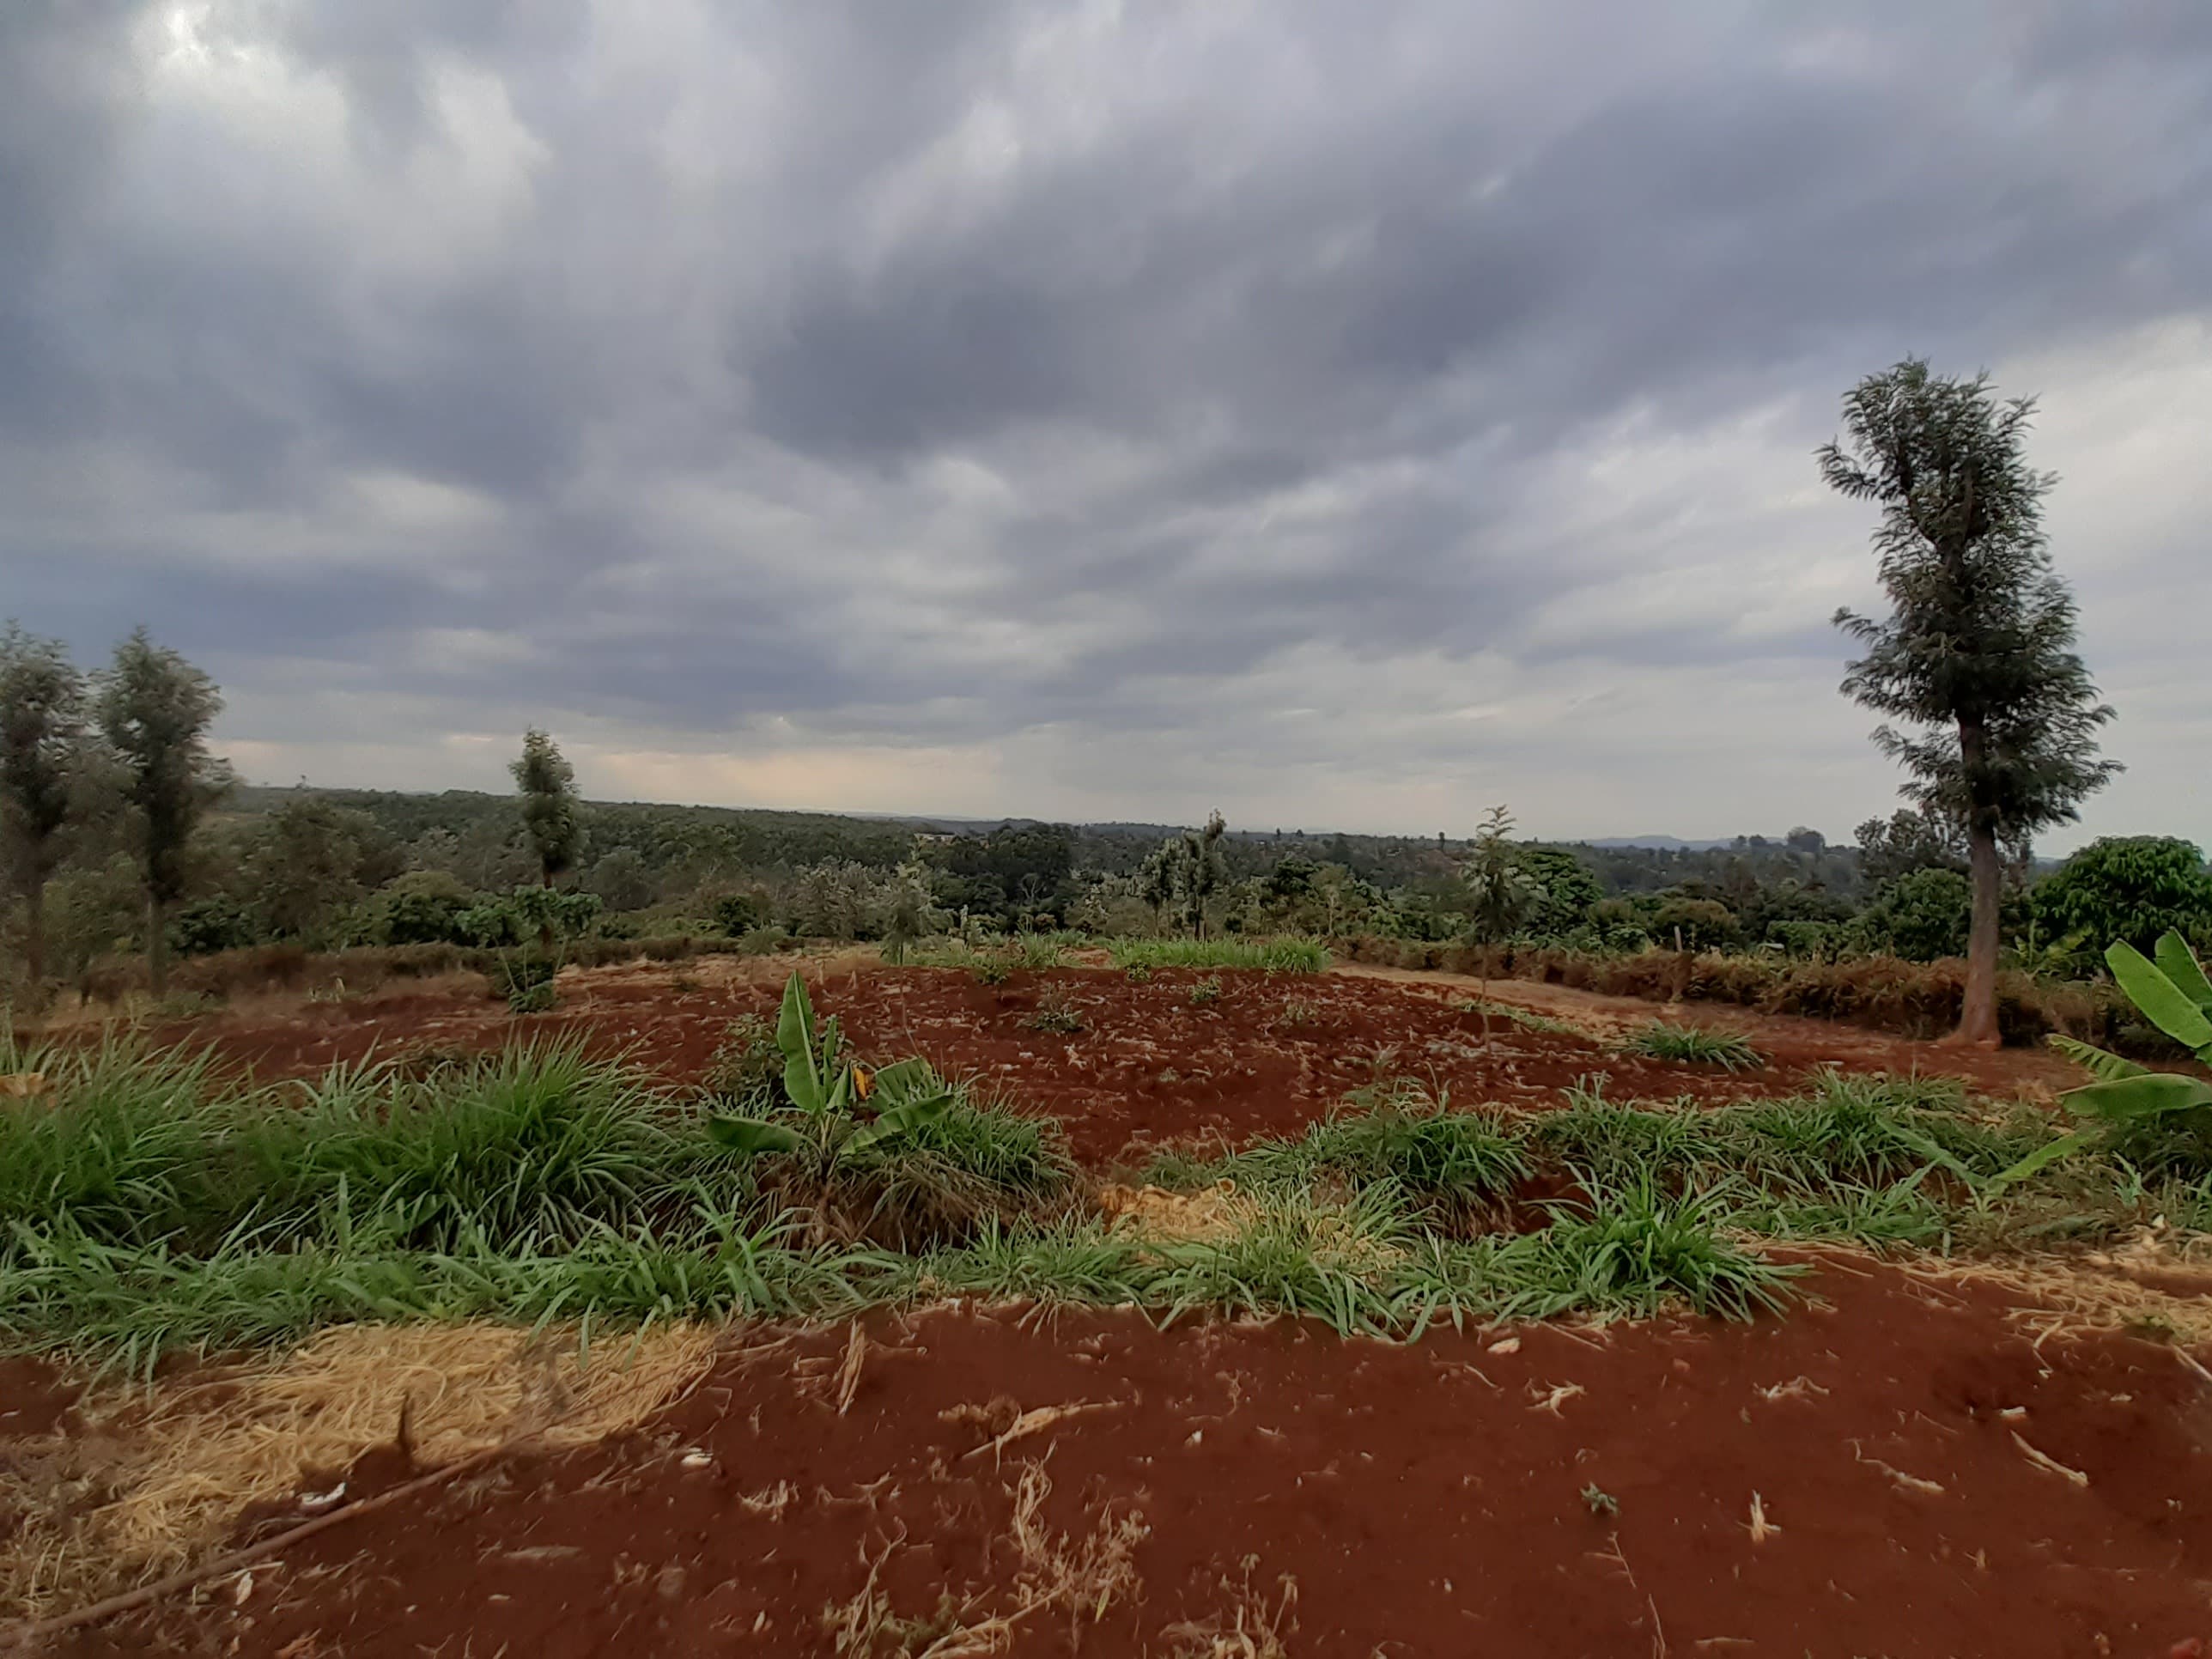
2152 1095
2160 1001
2105 1068
749 1137
2178 963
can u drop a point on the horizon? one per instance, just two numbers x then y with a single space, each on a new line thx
1115 413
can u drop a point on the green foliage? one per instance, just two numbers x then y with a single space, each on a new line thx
1273 955
1729 1050
2157 1119
1700 924
1908 841
309 861
42 770
1503 895
155 711
1410 1137
1998 717
736 914
1184 873
547 784
524 977
1055 1013
2131 889
1569 890
1920 917
1206 992
1599 1501
209 925
422 907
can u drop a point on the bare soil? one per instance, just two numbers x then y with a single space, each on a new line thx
1148 1068
1900 1472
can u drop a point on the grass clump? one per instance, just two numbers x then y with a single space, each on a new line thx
1206 992
1408 1137
1273 955
1694 1046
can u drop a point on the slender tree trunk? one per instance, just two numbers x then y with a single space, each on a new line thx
1977 1019
34 934
157 947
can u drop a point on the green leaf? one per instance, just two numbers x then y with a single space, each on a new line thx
794 1034
751 1136
899 1121
2105 1068
902 1078
2161 1002
2151 1095
2178 963
2050 1152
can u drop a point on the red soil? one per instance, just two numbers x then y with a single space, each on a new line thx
1426 1499
1148 1068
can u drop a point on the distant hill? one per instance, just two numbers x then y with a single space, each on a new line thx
1661 843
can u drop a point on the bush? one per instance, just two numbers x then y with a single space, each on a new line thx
525 978
2130 889
1922 917
209 925
736 914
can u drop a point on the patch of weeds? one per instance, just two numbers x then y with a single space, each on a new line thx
1408 1137
1694 1046
525 978
1298 1014
1598 1501
1138 972
745 1072
1055 1013
1206 992
994 969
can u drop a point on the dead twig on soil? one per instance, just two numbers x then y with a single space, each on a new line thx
2050 1465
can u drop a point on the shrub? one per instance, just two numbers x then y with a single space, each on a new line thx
209 925
1920 917
1054 1012
525 978
1206 992
738 913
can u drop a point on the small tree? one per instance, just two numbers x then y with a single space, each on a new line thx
41 754
1977 657
154 712
1502 897
548 784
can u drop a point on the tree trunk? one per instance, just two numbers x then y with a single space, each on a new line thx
157 948
34 935
1977 1019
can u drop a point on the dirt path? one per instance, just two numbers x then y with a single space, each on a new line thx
1792 1041
1901 1472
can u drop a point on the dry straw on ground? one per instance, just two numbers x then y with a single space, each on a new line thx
151 1484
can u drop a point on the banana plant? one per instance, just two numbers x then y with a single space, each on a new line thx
828 1093
2173 995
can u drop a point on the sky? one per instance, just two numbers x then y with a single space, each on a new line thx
1345 415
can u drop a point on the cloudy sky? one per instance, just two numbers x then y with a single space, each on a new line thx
1346 415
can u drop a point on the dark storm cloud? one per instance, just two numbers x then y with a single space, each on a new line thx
938 374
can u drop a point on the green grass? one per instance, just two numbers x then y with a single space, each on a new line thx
1689 1044
1273 955
148 1206
1527 1018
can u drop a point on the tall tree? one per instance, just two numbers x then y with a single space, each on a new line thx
41 751
154 712
548 784
1977 661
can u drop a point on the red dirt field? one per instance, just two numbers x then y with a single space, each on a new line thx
1419 1500
1149 1069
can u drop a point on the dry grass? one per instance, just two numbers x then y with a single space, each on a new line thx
1249 1627
2154 1285
157 1481
1211 1215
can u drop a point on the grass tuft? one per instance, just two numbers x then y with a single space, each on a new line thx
1695 1045
1273 955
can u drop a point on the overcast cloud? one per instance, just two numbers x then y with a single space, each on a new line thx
1345 415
